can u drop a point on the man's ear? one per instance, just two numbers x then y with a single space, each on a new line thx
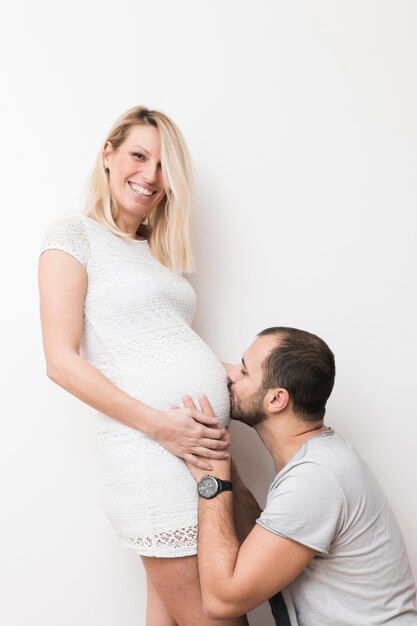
277 400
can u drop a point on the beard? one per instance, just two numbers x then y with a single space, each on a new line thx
250 410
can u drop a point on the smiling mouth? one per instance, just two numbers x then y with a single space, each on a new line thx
141 191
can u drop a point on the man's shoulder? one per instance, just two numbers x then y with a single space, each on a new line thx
324 490
326 464
320 454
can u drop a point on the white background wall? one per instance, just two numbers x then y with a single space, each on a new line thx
301 120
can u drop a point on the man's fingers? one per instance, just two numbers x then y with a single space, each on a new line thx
211 454
201 463
205 405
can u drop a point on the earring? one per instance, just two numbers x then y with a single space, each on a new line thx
106 169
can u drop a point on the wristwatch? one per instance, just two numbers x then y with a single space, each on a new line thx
209 486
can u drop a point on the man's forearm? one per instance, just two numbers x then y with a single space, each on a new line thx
218 548
246 510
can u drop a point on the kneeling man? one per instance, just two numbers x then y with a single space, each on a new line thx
327 549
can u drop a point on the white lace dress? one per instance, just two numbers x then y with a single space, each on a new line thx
137 316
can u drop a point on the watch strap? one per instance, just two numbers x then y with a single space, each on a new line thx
224 485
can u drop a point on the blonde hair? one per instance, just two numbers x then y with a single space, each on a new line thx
167 227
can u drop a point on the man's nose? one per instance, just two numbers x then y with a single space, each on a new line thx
234 373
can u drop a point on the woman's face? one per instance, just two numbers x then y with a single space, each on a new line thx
135 175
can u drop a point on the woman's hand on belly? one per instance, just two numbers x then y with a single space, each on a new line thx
220 467
191 435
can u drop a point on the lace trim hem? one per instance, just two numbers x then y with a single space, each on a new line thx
179 542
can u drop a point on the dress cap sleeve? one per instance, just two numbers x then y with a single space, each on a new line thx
68 233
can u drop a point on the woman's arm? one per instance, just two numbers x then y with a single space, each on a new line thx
187 433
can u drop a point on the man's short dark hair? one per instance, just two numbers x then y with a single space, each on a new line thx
304 365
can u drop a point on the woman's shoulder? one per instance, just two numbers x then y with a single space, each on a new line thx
68 222
69 233
75 225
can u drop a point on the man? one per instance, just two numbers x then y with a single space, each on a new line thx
327 539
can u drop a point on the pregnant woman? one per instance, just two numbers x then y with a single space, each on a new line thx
116 315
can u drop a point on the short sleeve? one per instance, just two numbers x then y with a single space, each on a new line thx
307 505
68 233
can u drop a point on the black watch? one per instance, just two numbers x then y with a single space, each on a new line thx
209 486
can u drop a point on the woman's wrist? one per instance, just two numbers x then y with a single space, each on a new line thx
146 419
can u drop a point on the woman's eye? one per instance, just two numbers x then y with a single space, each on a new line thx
138 155
242 371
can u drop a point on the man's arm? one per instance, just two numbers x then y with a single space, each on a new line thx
246 510
235 579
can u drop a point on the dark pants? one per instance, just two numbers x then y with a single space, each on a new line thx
279 610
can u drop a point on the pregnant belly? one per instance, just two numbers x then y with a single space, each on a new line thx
193 372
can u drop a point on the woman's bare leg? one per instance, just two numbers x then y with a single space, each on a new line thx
176 582
156 611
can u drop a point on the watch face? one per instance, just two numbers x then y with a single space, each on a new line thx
208 487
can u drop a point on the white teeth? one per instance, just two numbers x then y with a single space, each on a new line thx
142 190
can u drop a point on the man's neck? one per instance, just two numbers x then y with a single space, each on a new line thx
283 435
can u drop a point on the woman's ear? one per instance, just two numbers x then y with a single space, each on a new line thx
277 400
107 152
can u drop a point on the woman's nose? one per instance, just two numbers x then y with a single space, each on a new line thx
150 171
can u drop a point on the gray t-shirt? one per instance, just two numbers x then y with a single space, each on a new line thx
327 498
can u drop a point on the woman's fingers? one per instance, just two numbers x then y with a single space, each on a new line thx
189 402
208 420
205 405
215 444
206 414
212 433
